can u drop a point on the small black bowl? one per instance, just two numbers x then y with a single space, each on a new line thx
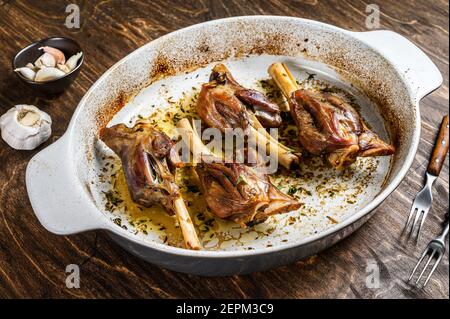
31 53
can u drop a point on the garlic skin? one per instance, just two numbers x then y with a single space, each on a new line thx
48 74
57 54
45 60
26 72
73 60
25 127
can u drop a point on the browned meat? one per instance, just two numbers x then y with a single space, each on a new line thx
236 191
325 124
218 107
146 156
371 145
239 193
223 103
328 125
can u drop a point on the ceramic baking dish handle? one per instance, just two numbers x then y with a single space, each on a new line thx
56 194
413 64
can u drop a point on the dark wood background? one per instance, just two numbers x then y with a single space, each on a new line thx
33 261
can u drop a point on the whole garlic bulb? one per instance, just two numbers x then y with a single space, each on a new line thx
25 127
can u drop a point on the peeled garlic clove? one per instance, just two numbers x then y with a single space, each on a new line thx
46 59
26 72
63 68
73 60
48 74
57 54
31 66
25 127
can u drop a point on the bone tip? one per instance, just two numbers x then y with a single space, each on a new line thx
220 67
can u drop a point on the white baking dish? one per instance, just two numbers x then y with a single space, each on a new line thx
387 68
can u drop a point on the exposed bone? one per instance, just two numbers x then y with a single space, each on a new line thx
287 84
285 157
187 227
283 78
257 125
328 125
220 106
195 142
267 112
144 153
248 203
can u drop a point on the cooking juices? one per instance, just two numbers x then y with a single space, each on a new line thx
317 185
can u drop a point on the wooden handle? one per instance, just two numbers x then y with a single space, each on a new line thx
440 149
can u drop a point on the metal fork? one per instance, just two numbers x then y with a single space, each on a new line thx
422 202
436 249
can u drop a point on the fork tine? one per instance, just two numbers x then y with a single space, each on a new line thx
416 219
426 266
422 221
433 269
418 264
411 214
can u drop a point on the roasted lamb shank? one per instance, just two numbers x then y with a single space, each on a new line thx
223 91
239 193
327 124
224 104
148 162
235 191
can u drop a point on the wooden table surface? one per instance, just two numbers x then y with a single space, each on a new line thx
33 261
